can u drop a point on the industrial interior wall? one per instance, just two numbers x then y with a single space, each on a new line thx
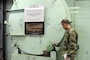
82 21
82 25
72 3
9 48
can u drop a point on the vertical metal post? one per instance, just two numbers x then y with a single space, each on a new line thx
3 27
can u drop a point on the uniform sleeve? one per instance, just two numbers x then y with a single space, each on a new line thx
72 43
65 44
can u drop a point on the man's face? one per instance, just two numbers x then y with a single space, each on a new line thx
64 26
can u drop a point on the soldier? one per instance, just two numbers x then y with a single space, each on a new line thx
70 40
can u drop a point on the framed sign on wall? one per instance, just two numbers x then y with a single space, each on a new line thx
34 28
34 19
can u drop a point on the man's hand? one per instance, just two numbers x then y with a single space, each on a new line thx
66 57
45 53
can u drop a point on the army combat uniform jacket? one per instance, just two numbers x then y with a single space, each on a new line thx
70 43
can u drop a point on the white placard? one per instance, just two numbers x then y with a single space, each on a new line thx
34 13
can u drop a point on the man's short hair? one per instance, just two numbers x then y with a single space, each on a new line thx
66 21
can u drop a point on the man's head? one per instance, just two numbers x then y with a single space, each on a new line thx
66 24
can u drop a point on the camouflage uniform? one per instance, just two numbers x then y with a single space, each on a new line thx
70 43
